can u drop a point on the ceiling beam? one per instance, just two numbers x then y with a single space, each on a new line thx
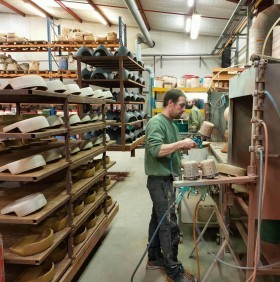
12 8
39 8
94 6
139 5
69 11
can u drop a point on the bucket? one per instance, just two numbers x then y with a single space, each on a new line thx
181 82
182 125
63 63
159 104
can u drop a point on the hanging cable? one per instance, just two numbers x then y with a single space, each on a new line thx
273 102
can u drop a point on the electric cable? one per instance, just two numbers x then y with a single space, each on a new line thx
273 102
143 256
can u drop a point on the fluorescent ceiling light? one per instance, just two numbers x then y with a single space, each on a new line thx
78 6
195 26
35 10
190 3
100 18
188 24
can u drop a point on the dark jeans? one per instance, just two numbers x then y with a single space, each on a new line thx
168 236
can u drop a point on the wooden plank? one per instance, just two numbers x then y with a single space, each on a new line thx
38 258
112 83
83 185
80 128
36 175
32 135
112 63
85 100
109 165
128 147
84 156
216 181
112 183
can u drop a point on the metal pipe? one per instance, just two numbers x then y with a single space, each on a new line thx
139 20
260 29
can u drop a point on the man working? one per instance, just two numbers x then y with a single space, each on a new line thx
195 117
162 163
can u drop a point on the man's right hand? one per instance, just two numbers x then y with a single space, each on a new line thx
188 144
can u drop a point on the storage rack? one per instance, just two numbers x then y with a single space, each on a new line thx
58 193
115 63
223 75
44 46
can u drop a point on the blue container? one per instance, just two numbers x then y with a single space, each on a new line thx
182 125
63 63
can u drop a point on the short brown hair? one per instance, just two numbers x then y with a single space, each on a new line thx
172 94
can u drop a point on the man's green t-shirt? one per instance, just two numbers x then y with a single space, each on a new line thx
195 119
160 130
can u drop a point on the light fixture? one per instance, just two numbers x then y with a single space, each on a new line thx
188 24
190 3
35 10
195 25
100 17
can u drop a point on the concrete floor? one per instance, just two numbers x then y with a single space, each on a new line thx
116 257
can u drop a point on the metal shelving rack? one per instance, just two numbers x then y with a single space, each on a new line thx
115 63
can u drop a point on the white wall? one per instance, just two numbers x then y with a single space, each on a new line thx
35 28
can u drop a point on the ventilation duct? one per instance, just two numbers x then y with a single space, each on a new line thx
138 18
260 29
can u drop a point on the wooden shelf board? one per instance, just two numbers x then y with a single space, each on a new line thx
131 123
112 63
128 147
32 135
110 122
83 156
113 182
112 83
37 175
86 127
76 99
125 102
83 185
55 194
194 89
60 268
110 164
112 214
38 258
215 70
161 109
216 181
31 96
110 143
81 218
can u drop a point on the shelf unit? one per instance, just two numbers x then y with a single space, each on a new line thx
115 63
44 46
221 77
56 182
159 92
